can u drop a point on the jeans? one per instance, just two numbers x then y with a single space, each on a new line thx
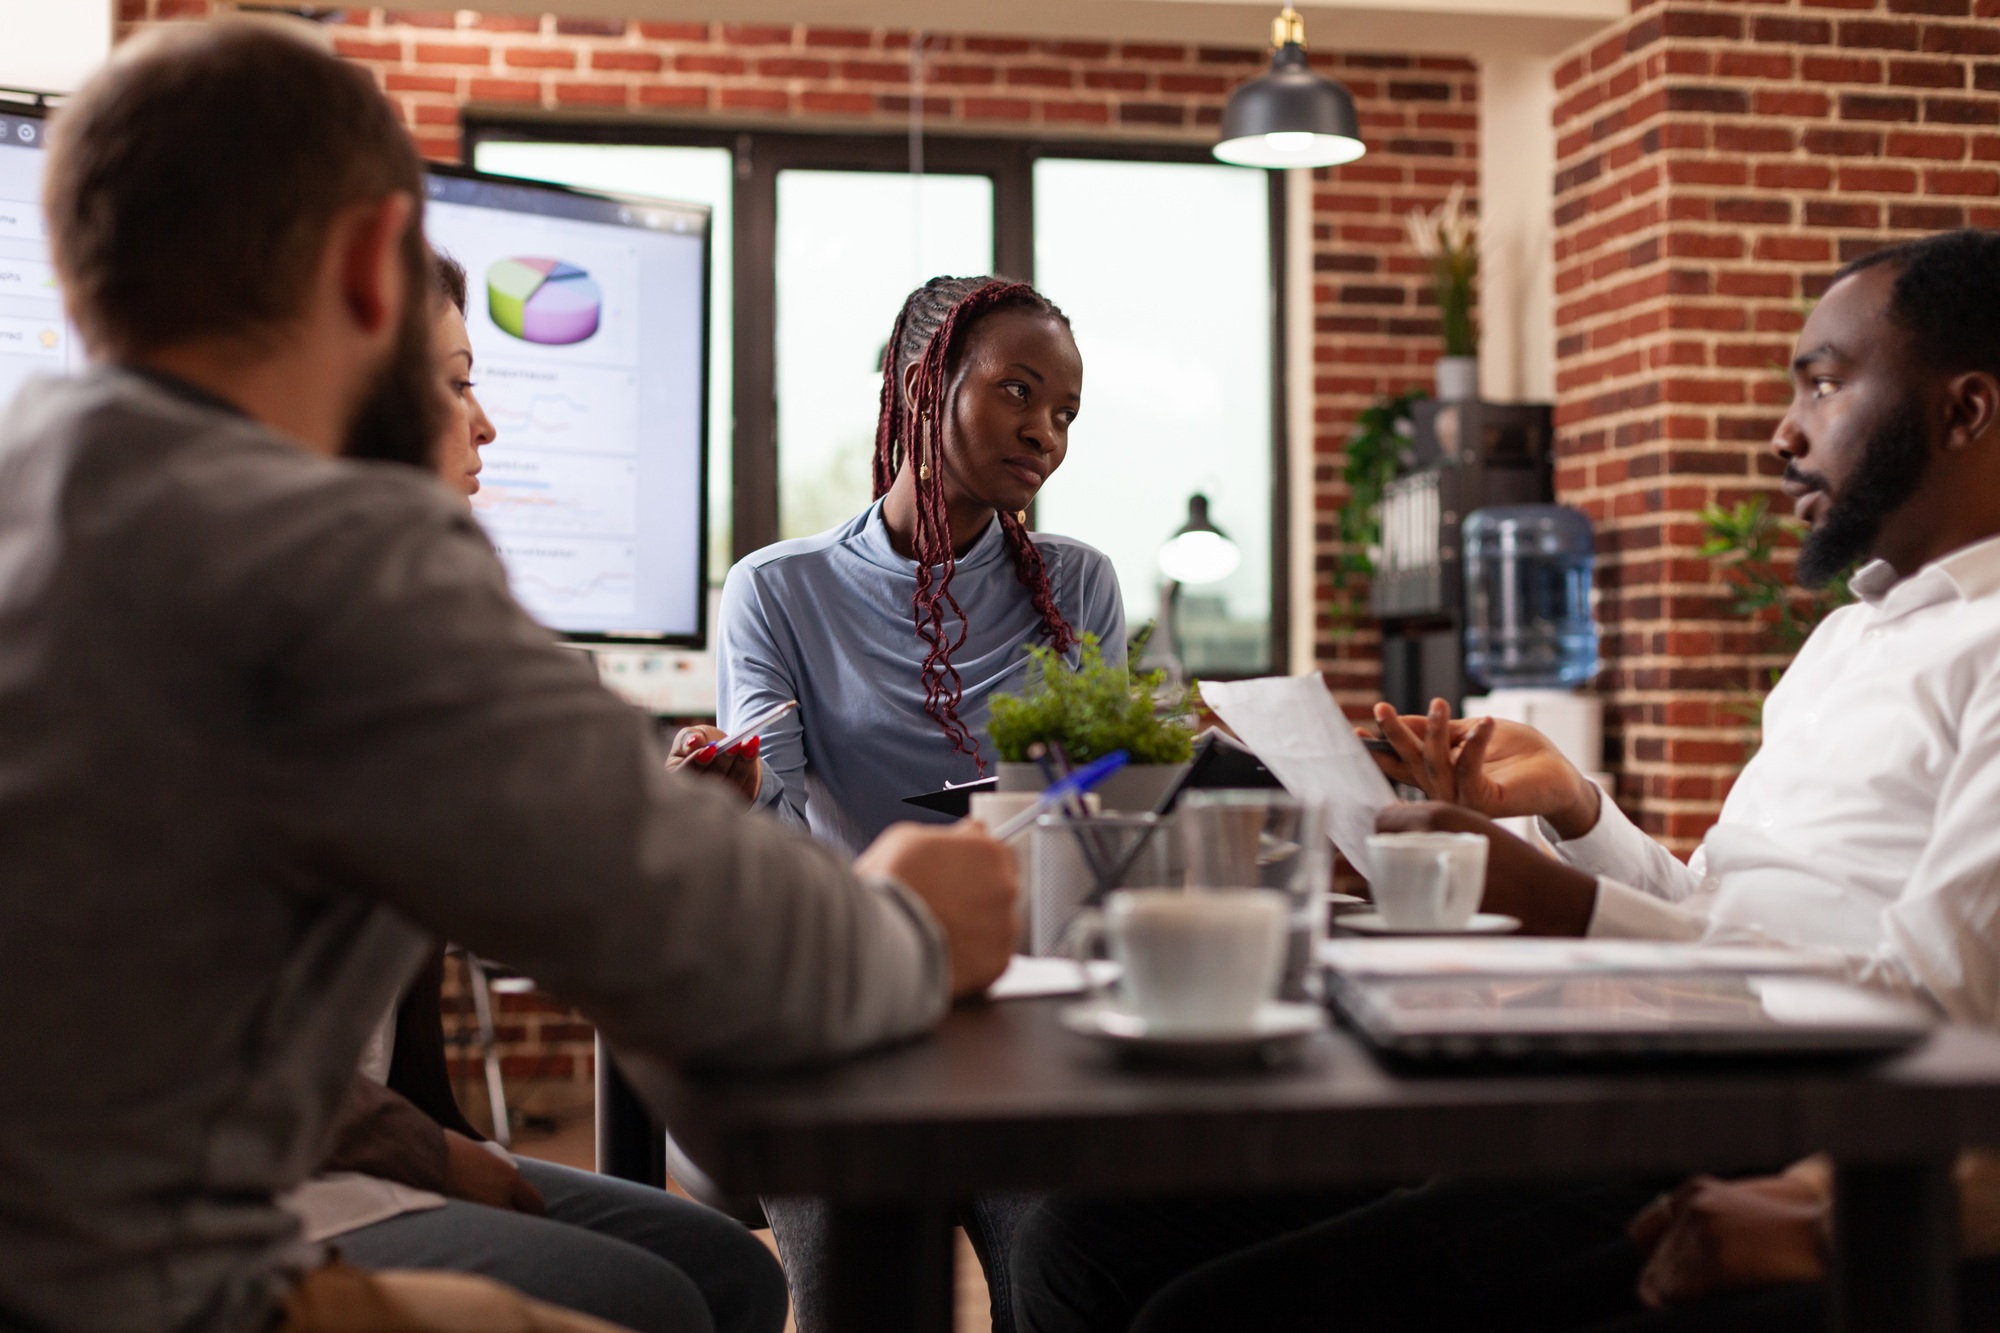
640 1257
1441 1258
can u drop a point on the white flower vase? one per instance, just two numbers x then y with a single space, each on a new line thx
1457 379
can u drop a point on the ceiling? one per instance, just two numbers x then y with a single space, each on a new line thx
1454 27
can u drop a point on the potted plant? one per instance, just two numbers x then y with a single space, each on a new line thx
1377 451
1091 710
1448 237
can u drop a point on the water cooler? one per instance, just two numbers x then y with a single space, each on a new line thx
1529 634
1464 456
1482 583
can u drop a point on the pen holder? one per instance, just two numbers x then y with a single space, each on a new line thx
1141 848
993 809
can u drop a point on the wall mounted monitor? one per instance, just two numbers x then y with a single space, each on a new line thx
588 315
35 339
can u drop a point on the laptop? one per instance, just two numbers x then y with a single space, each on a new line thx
1443 1002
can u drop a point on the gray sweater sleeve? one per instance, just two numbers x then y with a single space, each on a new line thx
429 744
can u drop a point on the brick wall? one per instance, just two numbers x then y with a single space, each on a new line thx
1377 330
1716 162
547 1051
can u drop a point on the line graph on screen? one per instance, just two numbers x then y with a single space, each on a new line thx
570 578
571 409
534 491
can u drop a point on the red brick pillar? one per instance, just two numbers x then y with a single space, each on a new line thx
1716 163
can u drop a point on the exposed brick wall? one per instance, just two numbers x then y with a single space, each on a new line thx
1377 330
1716 162
537 1038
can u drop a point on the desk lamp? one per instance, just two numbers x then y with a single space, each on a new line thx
1199 553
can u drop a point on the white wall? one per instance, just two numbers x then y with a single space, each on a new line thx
1304 604
49 46
1517 163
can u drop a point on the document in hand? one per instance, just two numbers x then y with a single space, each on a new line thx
1294 726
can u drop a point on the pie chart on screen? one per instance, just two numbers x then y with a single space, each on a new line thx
543 300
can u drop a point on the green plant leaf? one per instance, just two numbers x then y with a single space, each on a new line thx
1092 709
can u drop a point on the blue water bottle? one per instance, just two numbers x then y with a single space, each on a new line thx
1527 597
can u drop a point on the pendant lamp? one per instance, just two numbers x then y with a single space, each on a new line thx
1200 552
1289 116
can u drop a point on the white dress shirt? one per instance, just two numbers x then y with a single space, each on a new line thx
1868 825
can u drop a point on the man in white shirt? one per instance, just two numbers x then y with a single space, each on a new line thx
1866 828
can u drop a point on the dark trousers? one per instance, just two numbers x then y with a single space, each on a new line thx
800 1228
1443 1258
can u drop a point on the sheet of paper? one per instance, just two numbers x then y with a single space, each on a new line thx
1031 978
1294 726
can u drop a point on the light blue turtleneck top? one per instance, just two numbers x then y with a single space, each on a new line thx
827 620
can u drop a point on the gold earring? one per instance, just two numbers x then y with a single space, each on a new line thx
1021 517
923 472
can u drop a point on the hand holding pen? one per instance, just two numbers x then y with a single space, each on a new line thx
695 752
731 757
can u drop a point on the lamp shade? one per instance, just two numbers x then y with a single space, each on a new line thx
1290 117
1199 552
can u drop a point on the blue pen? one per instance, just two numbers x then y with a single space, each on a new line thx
1075 784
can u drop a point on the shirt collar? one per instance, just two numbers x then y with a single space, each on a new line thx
874 544
1969 573
183 390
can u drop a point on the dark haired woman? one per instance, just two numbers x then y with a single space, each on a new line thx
649 1261
894 630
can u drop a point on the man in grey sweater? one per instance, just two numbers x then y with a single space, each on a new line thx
269 718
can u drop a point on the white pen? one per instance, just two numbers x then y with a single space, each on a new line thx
748 730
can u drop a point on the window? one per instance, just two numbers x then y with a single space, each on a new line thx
1164 270
1165 261
851 246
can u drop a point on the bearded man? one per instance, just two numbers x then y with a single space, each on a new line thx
1866 830
272 720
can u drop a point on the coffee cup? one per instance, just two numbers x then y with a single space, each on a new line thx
1193 961
1427 881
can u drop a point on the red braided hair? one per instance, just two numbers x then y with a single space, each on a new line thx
930 331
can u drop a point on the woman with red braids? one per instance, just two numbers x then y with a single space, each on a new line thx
894 630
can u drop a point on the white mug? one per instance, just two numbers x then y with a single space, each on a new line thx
1427 881
1194 961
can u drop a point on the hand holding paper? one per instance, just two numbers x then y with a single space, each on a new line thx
1294 726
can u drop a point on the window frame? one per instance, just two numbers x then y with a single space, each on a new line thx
760 152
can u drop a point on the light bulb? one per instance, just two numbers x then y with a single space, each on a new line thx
1289 148
1199 557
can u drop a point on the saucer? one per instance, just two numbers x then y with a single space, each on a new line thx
1482 923
1275 1034
1345 903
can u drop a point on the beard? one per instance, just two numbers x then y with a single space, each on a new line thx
1892 466
403 411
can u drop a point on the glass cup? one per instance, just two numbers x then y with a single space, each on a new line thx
1072 858
1265 839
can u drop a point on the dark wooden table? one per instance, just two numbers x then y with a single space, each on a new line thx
1002 1098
